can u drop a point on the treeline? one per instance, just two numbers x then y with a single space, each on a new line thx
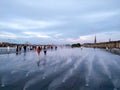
76 45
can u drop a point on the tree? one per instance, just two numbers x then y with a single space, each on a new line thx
76 45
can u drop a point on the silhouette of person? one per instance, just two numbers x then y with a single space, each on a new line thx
17 49
45 50
51 47
20 48
24 48
55 47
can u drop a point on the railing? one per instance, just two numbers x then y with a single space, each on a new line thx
6 50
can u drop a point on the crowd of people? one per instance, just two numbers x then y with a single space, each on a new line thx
36 48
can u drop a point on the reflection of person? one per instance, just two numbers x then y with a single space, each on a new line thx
45 59
16 53
24 56
38 63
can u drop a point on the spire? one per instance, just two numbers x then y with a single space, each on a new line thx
95 39
109 39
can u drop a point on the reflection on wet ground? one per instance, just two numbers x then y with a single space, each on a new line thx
63 69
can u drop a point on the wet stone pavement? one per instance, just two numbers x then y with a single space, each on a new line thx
62 69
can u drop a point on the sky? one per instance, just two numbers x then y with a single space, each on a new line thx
59 21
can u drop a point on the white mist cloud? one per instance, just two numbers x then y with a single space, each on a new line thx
7 35
36 34
26 24
101 37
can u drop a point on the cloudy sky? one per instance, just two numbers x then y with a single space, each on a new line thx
59 21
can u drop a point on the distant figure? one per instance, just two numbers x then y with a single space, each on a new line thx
34 48
24 48
17 49
45 50
41 48
38 50
8 49
31 47
107 48
55 47
51 47
20 48
81 47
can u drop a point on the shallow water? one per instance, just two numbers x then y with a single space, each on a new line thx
63 69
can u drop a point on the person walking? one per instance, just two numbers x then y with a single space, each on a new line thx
38 50
25 48
45 50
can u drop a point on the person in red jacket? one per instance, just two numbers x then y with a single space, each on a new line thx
38 50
